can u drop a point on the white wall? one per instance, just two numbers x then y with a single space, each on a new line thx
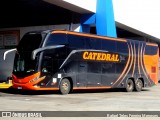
143 15
23 30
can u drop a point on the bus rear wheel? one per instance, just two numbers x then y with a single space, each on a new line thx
65 86
129 85
138 85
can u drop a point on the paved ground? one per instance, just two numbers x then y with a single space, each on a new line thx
106 100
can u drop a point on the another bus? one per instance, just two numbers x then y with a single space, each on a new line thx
66 61
6 68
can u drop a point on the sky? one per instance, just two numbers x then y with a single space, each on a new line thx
143 15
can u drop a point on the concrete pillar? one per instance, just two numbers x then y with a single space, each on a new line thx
105 23
103 19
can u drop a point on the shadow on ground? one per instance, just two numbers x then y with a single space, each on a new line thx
30 92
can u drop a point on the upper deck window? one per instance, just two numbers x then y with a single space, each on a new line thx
30 42
56 39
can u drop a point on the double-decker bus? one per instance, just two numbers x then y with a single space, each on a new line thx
66 61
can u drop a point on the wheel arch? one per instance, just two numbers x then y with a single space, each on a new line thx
131 78
70 80
134 79
129 86
142 79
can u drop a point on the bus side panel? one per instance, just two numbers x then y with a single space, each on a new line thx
151 62
124 67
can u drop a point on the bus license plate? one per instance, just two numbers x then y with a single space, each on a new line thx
19 87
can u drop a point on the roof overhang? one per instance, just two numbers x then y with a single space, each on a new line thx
135 31
75 5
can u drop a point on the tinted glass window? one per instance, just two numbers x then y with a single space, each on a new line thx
108 68
29 42
23 65
93 43
76 41
94 67
151 50
56 39
52 60
109 45
120 67
122 47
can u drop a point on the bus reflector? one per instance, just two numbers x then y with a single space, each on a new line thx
153 69
54 80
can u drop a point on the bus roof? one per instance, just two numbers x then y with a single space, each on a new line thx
95 36
88 35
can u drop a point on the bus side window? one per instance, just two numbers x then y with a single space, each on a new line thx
94 67
108 68
47 64
56 39
76 42
93 43
121 49
109 45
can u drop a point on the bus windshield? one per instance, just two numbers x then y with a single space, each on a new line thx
23 64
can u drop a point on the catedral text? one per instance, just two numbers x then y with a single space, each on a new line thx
101 56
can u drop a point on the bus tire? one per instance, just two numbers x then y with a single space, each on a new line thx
129 85
65 86
138 85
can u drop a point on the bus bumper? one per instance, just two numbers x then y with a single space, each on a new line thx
28 86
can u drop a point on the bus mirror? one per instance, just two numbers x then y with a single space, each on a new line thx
36 51
8 51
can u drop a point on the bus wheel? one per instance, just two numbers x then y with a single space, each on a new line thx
65 86
129 85
138 85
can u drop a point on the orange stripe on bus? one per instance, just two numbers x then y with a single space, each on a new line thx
139 59
125 66
88 35
141 63
38 88
134 60
151 44
88 88
126 73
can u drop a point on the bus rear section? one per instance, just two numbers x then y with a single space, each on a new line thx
151 62
141 68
